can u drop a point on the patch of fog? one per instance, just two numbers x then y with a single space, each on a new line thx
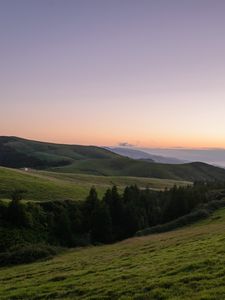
211 156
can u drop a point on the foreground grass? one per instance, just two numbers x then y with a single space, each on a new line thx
58 186
184 264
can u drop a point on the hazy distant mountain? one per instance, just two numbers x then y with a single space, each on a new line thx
139 154
212 156
209 155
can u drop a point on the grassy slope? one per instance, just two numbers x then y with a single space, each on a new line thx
16 152
184 264
54 186
128 167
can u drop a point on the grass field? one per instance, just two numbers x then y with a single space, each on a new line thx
42 185
188 263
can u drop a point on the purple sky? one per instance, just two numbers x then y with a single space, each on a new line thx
150 73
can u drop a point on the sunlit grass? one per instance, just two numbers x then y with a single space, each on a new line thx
59 186
184 264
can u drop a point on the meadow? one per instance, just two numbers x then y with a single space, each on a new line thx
188 263
43 185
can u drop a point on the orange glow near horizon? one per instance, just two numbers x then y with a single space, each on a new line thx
194 142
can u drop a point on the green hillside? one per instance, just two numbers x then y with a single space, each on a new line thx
42 185
188 263
19 153
128 167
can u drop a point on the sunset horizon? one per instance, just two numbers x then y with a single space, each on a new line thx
103 73
116 143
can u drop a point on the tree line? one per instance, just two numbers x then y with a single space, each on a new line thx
114 217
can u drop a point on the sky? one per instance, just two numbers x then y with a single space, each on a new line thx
149 73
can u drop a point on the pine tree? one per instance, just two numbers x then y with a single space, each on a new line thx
101 229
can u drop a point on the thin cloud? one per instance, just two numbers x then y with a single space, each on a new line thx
125 144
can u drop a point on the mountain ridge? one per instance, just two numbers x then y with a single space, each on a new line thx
17 152
140 154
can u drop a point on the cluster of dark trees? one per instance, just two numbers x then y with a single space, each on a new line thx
117 217
114 217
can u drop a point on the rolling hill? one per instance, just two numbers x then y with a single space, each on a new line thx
20 153
17 152
188 263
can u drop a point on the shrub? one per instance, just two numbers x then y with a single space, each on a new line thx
202 212
27 254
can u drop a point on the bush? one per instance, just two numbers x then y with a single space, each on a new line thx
27 254
10 237
202 212
18 214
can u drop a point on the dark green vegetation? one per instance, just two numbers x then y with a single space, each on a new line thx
19 153
183 264
43 185
27 254
93 221
200 213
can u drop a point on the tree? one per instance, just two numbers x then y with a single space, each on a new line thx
63 228
17 194
101 229
17 214
90 205
92 200
116 208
